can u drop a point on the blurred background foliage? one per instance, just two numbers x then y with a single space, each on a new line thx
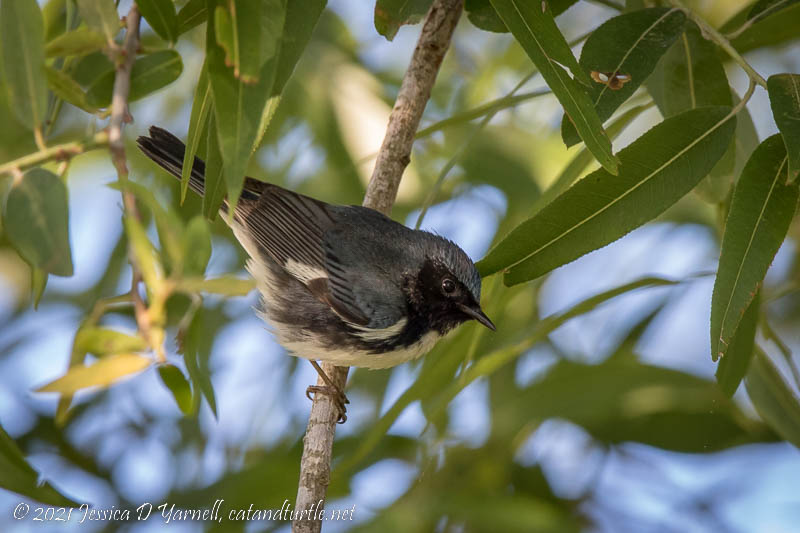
594 407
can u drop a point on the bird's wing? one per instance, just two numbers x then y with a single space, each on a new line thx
291 229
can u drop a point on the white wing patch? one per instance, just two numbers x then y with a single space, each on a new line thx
369 334
303 272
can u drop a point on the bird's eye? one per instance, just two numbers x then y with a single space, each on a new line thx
448 285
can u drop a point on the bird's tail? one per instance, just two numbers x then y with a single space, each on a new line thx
167 150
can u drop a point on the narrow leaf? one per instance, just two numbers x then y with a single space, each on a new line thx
192 15
784 96
539 36
198 373
773 398
239 107
391 14
214 185
761 211
38 284
765 8
67 89
143 254
621 54
100 15
173 379
20 477
198 127
101 374
733 367
77 42
482 15
658 169
160 14
149 74
773 29
22 60
196 247
36 220
104 341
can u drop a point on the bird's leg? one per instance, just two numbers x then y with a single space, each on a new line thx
331 390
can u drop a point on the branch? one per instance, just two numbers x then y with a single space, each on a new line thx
394 156
61 152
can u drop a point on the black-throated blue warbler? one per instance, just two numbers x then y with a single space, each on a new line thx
342 284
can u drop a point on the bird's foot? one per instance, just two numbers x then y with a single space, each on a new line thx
335 394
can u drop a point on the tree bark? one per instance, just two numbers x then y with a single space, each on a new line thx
393 157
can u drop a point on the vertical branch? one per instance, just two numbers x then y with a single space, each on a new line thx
394 156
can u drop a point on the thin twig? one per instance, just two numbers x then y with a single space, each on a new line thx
61 152
394 156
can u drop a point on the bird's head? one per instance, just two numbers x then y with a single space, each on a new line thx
447 287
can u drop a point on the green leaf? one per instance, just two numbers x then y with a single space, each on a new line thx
482 15
774 29
249 33
36 221
198 374
621 54
67 89
22 61
539 36
149 74
689 76
202 106
239 107
658 169
225 285
761 211
20 477
143 254
104 341
784 97
765 8
101 374
173 379
100 15
192 15
214 185
77 42
38 284
733 367
196 247
160 14
391 14
772 397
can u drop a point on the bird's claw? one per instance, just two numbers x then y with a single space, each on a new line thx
337 396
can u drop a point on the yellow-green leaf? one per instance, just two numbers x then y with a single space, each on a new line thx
101 374
149 74
225 285
174 380
101 15
75 43
784 96
160 14
104 341
67 89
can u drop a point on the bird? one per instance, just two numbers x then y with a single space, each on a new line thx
343 284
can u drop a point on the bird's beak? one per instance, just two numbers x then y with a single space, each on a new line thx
476 313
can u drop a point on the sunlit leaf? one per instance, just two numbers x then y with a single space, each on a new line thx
772 397
539 36
75 43
784 96
160 14
173 379
733 367
391 14
621 54
214 185
149 74
22 60
101 374
36 221
143 253
67 89
38 284
103 341
101 16
249 33
225 285
20 477
761 211
658 169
